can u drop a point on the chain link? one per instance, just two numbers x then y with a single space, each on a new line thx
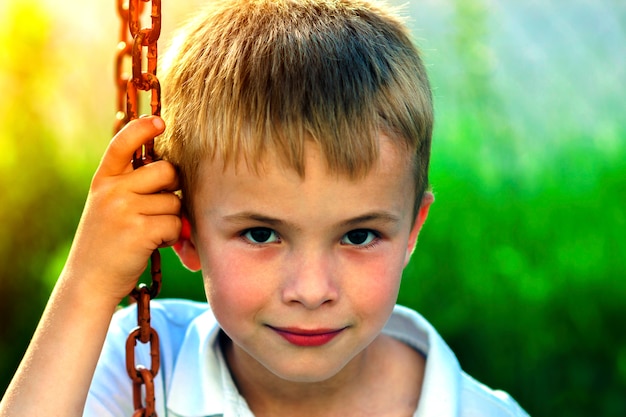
133 42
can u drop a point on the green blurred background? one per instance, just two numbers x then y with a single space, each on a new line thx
521 264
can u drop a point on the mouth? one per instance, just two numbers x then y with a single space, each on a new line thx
307 338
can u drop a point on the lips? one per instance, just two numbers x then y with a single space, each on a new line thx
308 338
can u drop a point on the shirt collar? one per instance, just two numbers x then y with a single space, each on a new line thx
441 386
201 383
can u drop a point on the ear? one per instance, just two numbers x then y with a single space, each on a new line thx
186 249
420 218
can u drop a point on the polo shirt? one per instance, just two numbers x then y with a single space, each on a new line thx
194 380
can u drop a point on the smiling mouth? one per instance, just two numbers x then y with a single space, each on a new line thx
308 338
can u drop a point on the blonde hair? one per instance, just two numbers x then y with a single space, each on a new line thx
246 76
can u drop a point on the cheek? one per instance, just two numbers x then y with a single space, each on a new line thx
376 284
233 283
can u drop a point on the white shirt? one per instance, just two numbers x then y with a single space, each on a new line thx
194 380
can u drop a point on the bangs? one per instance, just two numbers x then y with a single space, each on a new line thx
249 77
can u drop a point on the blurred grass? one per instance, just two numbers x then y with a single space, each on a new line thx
521 263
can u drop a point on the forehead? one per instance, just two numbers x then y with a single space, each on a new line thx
273 187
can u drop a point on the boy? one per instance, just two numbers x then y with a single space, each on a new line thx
301 132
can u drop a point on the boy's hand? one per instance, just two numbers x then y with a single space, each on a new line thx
129 213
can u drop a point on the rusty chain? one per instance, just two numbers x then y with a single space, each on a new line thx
133 42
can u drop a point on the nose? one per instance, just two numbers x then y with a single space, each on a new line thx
310 279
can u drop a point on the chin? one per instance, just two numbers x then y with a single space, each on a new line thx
312 377
309 372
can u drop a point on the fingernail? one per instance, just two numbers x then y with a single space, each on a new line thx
158 123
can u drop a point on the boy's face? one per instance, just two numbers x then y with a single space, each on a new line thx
302 274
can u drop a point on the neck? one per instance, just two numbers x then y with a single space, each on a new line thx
357 390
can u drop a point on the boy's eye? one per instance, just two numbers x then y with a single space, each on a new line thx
260 235
359 237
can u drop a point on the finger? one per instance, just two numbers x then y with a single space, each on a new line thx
119 153
159 204
153 178
164 230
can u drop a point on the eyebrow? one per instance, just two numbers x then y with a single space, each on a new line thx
376 216
261 218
